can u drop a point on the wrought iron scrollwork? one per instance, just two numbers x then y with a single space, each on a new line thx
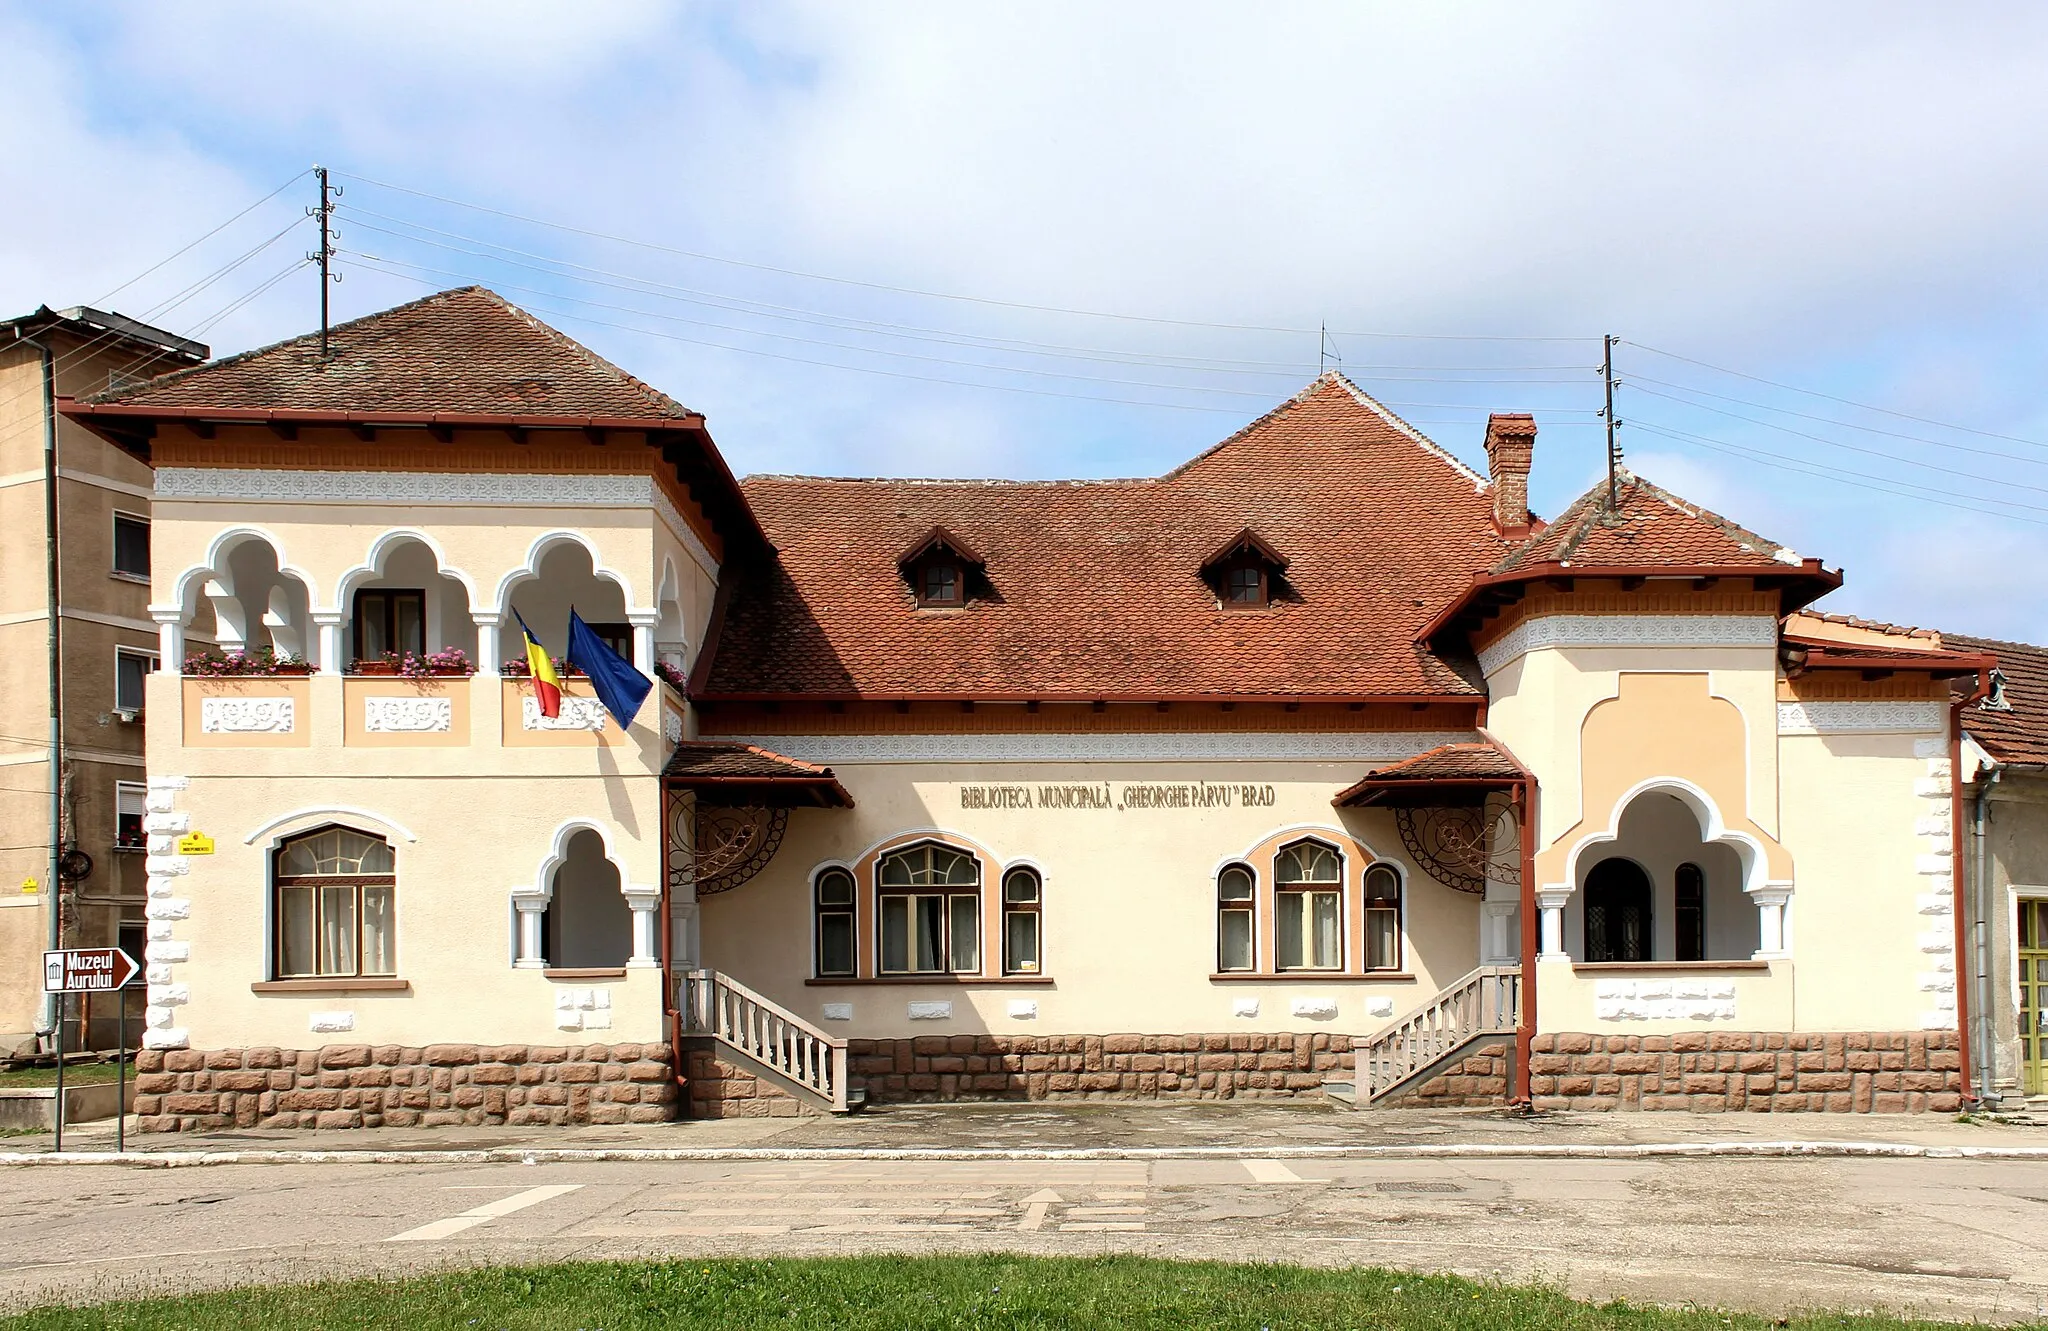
718 847
1462 847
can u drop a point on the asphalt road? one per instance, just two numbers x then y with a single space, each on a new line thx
1948 1238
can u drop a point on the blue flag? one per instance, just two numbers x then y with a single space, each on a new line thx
618 685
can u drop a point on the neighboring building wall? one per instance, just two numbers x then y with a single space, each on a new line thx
2016 833
103 610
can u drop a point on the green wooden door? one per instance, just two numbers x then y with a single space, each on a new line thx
2033 978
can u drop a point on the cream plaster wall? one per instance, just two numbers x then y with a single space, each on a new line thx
1129 905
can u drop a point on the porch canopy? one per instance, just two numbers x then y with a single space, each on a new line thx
1448 776
751 776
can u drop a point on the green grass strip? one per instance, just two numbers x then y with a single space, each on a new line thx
985 1293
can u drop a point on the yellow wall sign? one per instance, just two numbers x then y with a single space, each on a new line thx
29 884
195 843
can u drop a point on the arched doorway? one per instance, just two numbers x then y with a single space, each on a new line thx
1617 912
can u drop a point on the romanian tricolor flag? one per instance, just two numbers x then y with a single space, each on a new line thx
547 685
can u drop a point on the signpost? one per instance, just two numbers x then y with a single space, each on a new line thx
91 970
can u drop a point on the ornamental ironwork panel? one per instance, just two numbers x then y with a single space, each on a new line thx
1458 845
718 847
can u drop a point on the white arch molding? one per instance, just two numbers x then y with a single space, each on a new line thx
174 615
380 551
1772 896
529 570
314 815
530 901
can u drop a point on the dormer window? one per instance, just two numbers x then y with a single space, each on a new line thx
939 584
942 570
1246 573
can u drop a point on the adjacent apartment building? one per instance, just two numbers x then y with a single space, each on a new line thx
98 530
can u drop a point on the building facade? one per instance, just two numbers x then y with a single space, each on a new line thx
89 893
1317 766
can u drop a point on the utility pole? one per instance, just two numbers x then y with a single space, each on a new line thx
1607 414
325 253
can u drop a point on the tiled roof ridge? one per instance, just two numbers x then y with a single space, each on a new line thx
661 404
1989 642
1730 528
1870 625
754 750
1358 395
1582 517
987 482
222 362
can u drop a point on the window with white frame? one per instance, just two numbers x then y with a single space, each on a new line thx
132 669
335 907
833 905
1235 899
1382 918
1022 893
128 815
131 546
929 899
1308 915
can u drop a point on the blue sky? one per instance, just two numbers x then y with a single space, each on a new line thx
1845 201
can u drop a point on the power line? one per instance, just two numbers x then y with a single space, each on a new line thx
373 266
884 351
646 286
203 239
1847 402
931 295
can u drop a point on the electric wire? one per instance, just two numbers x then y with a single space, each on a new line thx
796 314
1259 395
203 239
1847 402
933 295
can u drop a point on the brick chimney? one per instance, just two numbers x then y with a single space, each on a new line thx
1510 442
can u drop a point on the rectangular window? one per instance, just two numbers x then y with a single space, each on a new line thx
134 940
1308 931
1020 922
1234 889
1382 919
835 922
931 934
1690 913
132 668
131 546
390 620
128 813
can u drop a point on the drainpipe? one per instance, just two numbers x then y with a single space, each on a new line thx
1980 979
1958 885
1525 1026
52 930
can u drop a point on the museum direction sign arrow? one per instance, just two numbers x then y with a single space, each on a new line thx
86 970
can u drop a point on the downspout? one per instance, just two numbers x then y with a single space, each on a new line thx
1958 884
1525 1025
52 928
1980 980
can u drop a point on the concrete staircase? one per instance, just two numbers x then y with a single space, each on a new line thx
1479 1011
767 1040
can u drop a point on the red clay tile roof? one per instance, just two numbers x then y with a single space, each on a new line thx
1655 529
1482 763
1094 586
2019 735
1872 625
466 350
709 766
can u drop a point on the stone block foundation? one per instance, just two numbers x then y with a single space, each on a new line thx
1881 1072
369 1086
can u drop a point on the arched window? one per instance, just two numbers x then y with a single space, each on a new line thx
1689 912
1021 899
929 899
1617 912
1308 882
834 905
1382 918
1234 911
335 905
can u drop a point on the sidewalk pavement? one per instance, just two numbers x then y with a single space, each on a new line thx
1089 1130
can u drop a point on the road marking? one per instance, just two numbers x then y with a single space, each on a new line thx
1035 1207
477 1215
1275 1171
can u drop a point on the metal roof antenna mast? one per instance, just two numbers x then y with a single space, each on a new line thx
1607 414
325 254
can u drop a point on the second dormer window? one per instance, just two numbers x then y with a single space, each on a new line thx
939 584
1245 585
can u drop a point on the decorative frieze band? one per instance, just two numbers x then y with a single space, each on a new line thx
247 716
1628 631
577 714
408 715
1198 746
498 489
1849 718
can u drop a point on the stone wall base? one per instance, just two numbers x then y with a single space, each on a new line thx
1883 1072
368 1086
1099 1067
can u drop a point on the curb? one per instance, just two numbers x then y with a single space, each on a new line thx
573 1155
